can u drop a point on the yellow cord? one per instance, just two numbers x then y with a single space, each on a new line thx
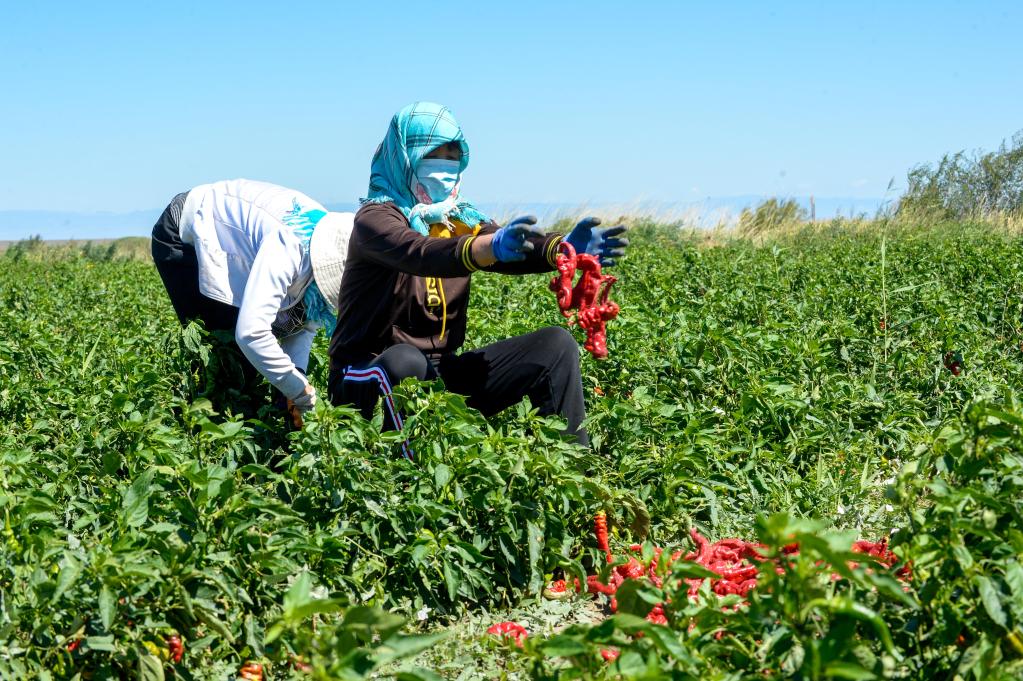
445 232
443 308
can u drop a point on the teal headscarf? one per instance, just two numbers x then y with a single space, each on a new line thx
303 222
414 132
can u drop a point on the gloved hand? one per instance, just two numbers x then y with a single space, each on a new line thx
300 404
510 242
602 242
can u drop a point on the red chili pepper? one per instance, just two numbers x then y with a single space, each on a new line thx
74 645
594 585
610 654
953 361
600 529
251 671
740 574
631 570
295 414
884 555
512 629
175 647
657 615
557 590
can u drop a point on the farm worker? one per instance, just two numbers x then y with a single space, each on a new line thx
405 288
262 261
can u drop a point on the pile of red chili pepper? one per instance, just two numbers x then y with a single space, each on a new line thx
590 296
735 561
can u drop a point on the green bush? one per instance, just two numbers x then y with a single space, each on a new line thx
962 186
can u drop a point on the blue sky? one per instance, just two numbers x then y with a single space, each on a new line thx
115 106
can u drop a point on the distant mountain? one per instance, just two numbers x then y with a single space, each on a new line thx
22 224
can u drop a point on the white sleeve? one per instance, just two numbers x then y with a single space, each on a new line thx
274 268
298 345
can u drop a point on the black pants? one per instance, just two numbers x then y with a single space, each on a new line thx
179 269
543 364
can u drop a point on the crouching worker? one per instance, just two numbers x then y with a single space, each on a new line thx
405 288
262 261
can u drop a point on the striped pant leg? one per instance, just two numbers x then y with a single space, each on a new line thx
363 384
377 377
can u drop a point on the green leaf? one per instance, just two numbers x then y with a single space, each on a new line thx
1014 578
70 570
562 645
667 640
253 635
107 607
451 579
848 670
150 667
402 646
441 475
298 594
962 555
687 569
316 606
845 605
213 622
991 599
101 643
637 597
418 674
136 499
535 543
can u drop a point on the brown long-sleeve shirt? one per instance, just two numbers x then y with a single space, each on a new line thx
399 286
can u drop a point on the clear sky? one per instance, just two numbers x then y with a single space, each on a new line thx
117 106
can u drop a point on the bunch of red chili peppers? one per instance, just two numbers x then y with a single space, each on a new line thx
590 296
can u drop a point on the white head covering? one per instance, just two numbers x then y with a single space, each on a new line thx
328 249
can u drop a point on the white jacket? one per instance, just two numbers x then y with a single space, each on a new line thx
249 258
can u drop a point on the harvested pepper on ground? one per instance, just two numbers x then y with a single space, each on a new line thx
511 629
735 561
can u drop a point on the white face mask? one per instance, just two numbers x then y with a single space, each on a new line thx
438 176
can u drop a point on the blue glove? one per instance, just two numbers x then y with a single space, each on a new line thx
602 242
511 242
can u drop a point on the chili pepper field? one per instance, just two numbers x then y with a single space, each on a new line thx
762 407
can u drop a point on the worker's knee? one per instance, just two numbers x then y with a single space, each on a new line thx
403 361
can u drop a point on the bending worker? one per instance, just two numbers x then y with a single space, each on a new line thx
262 261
